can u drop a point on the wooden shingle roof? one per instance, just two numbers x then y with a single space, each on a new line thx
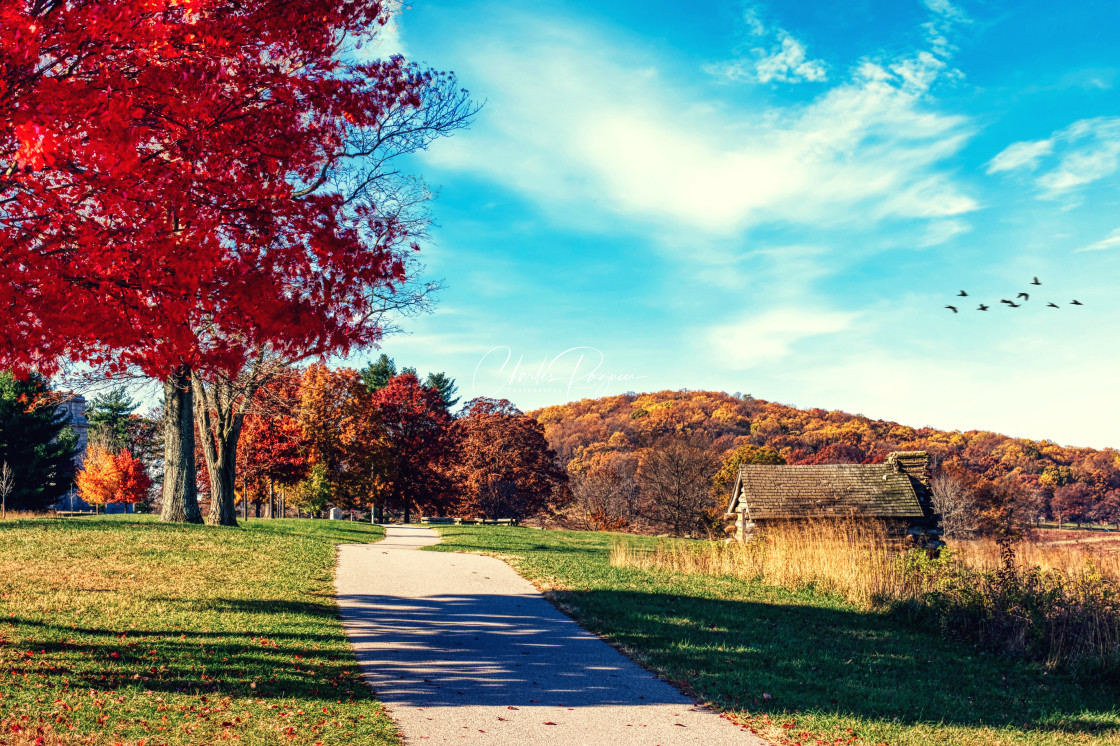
827 491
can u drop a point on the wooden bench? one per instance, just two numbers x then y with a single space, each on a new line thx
431 519
438 520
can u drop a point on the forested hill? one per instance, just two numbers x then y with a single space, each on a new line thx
586 432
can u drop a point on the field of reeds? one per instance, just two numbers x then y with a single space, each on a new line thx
1059 603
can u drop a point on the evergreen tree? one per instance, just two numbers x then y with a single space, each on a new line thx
109 418
443 386
377 375
37 443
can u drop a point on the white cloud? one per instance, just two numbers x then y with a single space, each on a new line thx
1021 155
783 62
1111 241
1086 151
945 9
788 64
771 335
387 40
576 119
941 231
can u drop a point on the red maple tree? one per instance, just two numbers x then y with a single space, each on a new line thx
271 451
414 427
181 189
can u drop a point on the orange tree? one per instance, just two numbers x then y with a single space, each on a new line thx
107 477
271 449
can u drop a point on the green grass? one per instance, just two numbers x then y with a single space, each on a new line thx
831 670
125 630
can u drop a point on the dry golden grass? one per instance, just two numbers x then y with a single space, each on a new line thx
1072 558
855 559
1060 606
858 560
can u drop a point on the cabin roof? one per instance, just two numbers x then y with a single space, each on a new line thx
824 491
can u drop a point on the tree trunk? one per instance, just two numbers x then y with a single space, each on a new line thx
219 424
223 474
180 491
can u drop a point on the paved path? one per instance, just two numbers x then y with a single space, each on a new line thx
461 649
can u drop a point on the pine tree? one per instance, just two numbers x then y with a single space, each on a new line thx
108 417
377 375
36 441
445 387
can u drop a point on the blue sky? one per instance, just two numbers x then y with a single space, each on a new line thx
780 199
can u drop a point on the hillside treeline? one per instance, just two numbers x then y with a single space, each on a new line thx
605 442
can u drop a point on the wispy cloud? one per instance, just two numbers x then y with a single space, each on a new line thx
939 29
1086 151
766 337
582 119
387 40
942 231
1111 241
1025 155
771 55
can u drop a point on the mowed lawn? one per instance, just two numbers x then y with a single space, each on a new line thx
833 674
126 630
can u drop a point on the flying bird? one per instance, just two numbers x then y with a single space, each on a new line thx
1036 282
962 294
952 308
1076 303
1013 305
982 307
1051 305
1024 296
1004 300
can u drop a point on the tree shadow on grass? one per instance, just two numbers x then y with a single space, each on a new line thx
479 649
290 649
835 661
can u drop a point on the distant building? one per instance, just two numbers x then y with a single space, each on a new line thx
897 493
75 410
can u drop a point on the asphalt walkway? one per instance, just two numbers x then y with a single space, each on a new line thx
461 649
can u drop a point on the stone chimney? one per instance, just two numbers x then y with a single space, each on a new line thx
915 464
912 463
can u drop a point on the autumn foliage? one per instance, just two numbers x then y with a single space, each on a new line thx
163 173
414 432
595 438
502 465
186 187
107 477
342 433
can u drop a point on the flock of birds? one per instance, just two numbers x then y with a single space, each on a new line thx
1010 303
